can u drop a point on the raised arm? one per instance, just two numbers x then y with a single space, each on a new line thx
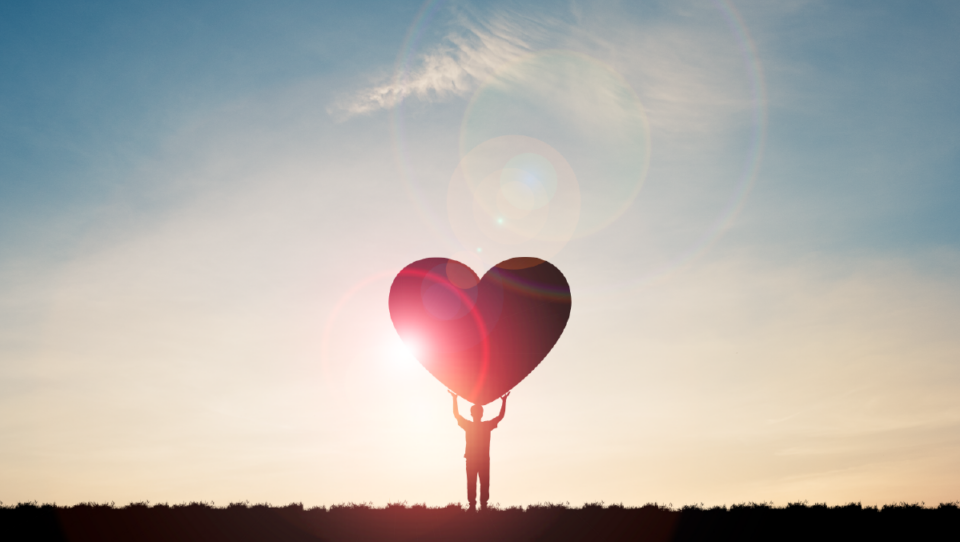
456 406
503 407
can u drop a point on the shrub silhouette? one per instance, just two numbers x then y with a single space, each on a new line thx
399 521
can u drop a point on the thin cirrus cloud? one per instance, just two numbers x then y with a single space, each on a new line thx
691 81
452 68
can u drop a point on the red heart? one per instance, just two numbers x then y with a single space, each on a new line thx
480 338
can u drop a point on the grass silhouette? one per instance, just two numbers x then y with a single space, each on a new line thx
543 521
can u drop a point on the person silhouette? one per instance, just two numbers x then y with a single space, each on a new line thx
478 448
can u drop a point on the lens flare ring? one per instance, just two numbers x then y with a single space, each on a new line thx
426 21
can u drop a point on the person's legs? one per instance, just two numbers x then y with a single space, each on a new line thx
484 473
472 482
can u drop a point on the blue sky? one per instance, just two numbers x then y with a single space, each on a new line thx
860 94
202 205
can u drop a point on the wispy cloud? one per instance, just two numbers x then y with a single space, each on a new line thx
454 67
691 80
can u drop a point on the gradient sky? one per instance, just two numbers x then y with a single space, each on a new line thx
202 205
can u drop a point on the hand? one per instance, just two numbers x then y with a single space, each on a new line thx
505 395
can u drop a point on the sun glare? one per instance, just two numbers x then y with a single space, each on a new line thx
405 352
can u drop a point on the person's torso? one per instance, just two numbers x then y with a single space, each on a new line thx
478 438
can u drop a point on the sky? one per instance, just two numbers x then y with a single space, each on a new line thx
203 205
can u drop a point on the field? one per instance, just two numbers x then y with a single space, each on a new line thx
398 522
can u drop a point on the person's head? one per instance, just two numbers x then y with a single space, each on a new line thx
477 412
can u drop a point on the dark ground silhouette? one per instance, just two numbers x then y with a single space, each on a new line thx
242 522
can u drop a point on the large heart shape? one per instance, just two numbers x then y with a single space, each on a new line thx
480 338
